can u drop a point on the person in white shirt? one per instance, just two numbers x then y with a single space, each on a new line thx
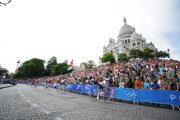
121 83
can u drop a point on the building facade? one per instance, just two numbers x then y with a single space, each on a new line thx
126 40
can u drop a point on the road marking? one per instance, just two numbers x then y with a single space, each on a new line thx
45 111
35 105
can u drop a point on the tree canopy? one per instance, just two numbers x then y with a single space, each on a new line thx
135 53
108 57
36 68
147 53
3 71
88 65
31 68
50 66
122 57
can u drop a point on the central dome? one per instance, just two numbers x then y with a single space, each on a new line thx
125 28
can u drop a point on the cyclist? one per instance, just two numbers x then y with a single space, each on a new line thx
62 85
102 86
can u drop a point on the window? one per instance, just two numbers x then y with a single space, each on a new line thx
134 44
138 43
128 40
125 41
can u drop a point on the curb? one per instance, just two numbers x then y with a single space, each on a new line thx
5 86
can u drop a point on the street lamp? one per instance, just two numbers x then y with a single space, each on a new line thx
18 62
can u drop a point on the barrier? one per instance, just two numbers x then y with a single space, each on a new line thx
89 89
168 97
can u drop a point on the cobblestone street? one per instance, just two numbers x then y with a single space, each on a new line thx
23 102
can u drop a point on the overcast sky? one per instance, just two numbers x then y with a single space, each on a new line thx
78 29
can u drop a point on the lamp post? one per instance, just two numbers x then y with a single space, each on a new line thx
168 52
18 62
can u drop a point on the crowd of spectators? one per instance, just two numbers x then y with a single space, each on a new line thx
158 74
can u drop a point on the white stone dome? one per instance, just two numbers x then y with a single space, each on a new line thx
125 28
135 36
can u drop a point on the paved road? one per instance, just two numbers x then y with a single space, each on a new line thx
23 102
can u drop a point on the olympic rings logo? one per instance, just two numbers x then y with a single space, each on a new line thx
131 94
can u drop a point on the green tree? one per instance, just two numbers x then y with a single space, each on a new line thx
108 57
3 72
60 68
135 53
31 68
90 64
50 66
148 53
157 54
122 57
161 54
165 54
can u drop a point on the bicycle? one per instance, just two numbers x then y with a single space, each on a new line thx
106 93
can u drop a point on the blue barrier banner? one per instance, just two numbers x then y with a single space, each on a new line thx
168 97
152 96
90 89
71 87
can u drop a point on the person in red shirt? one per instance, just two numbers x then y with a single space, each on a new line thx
137 83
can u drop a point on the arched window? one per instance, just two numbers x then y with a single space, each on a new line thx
134 44
125 41
138 43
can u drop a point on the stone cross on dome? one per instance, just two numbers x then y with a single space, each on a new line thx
124 20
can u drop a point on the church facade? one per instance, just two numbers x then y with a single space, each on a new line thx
126 40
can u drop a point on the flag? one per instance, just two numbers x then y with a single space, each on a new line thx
70 66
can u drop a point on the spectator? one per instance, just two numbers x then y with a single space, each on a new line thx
121 84
130 83
173 83
146 84
164 84
155 86
137 83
